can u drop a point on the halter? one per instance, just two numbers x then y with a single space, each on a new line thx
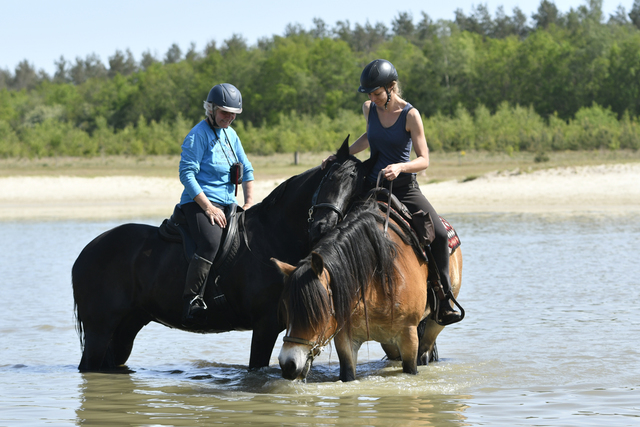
317 346
314 199
320 344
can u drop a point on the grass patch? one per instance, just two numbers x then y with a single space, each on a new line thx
444 166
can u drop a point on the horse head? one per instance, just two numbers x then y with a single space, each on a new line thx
341 184
308 304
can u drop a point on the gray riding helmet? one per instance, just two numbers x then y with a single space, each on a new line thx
378 73
227 97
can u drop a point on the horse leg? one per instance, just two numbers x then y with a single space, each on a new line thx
102 341
428 332
94 351
409 350
122 340
347 354
263 339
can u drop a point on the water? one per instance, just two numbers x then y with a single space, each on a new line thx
550 339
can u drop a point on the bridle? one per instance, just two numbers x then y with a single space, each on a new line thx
317 346
314 200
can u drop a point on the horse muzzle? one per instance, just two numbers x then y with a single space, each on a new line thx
294 361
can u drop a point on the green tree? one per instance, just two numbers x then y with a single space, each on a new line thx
173 55
621 87
25 76
546 15
634 15
122 63
89 68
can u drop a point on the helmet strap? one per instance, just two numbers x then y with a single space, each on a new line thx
388 97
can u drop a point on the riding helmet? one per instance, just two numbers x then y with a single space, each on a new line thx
377 74
227 97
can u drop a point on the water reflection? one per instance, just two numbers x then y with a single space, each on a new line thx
133 400
549 339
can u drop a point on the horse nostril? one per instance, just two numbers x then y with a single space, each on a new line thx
290 370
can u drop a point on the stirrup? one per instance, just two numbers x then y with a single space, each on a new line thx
194 300
194 312
448 297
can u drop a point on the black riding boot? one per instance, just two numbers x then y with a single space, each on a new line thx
445 313
194 308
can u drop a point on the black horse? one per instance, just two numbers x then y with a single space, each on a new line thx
130 276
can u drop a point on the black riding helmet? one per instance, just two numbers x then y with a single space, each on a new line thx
227 97
378 73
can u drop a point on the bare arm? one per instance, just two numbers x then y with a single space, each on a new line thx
421 162
247 190
362 143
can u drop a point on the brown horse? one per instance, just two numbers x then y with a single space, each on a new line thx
359 284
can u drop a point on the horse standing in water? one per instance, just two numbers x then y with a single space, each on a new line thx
130 276
349 188
359 284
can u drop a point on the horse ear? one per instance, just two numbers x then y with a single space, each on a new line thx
343 151
317 263
285 268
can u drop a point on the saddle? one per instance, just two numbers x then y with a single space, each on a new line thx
419 225
176 230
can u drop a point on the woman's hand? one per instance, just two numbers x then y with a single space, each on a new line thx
216 216
391 172
329 159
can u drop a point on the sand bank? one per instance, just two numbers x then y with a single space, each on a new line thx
611 189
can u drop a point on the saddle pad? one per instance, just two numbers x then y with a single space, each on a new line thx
454 240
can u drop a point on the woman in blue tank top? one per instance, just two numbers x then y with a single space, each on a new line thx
393 127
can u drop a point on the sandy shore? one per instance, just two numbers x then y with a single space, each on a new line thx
612 189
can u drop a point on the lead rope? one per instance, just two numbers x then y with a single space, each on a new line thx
386 219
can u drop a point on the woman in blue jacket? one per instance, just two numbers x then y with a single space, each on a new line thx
211 156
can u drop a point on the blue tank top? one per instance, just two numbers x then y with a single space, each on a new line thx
393 144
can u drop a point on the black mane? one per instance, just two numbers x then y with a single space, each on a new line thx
357 254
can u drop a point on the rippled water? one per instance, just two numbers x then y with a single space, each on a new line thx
550 339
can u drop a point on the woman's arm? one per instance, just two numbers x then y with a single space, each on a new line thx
421 162
247 190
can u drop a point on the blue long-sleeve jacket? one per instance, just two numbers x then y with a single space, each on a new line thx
205 163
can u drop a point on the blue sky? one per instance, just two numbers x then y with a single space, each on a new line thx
43 30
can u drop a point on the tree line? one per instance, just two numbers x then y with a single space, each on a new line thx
506 83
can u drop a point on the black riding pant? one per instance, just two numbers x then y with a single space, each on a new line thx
407 190
206 235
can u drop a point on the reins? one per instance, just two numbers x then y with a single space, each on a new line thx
386 219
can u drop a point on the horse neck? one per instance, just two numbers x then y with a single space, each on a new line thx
282 215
